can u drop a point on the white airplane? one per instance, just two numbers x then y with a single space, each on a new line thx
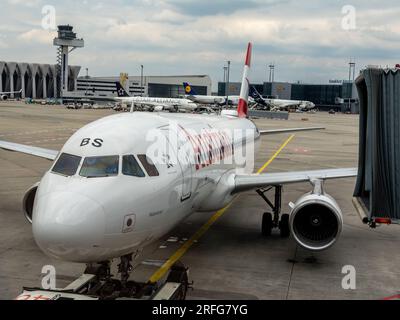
155 104
112 190
5 95
280 104
191 94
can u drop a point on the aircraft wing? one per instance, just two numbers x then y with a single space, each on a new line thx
289 105
284 105
276 131
255 181
11 92
34 151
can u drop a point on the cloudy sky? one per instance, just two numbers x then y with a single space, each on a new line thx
309 41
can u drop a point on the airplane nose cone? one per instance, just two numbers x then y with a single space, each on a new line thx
68 226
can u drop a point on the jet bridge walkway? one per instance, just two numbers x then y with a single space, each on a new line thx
377 192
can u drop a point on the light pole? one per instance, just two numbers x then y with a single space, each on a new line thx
225 72
225 69
141 80
227 83
352 70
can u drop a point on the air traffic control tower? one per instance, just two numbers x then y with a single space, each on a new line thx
65 40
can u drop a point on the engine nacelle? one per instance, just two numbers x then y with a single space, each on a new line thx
3 97
158 108
28 201
316 221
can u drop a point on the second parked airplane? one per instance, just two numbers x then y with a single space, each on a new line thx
153 103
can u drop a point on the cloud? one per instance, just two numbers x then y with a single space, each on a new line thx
3 45
305 39
27 3
170 16
39 36
209 8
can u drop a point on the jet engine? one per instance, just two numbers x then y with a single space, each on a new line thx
316 220
28 201
3 97
158 108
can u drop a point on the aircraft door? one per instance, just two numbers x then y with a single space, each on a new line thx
184 158
182 153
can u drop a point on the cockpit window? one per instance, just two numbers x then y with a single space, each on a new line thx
148 165
96 167
130 167
67 164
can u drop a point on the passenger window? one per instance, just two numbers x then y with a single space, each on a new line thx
67 164
130 167
148 165
96 167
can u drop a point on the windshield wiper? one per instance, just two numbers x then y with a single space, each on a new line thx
90 177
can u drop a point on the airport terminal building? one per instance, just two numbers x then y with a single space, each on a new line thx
152 86
38 81
324 96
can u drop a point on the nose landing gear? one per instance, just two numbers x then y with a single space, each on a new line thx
274 219
101 270
97 283
125 268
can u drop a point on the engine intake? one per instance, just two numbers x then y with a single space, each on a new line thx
316 221
28 202
3 97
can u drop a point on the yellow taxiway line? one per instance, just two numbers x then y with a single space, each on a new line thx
199 233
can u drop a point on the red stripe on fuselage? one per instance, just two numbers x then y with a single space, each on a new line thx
209 147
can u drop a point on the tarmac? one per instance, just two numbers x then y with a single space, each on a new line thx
231 259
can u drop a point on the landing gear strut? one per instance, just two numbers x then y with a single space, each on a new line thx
274 219
124 268
102 270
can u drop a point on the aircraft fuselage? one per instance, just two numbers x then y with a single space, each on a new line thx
102 200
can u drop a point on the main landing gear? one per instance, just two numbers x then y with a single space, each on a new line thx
274 219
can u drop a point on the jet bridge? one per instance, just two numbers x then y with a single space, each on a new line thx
377 192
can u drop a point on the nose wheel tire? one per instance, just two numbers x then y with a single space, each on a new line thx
267 225
284 226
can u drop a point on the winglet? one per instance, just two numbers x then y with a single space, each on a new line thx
244 91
